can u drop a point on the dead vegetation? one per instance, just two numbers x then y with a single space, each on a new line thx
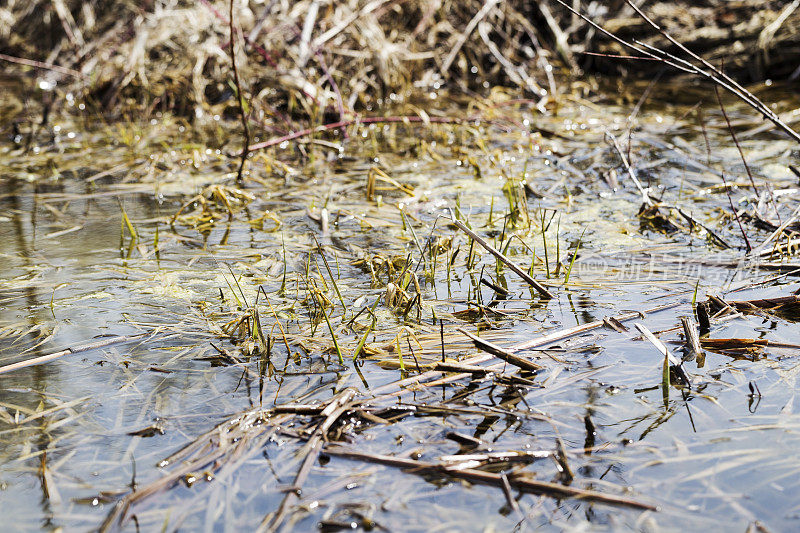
383 300
317 61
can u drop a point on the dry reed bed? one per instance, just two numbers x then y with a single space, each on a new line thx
319 60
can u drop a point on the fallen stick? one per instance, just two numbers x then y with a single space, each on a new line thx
458 367
766 303
583 328
56 355
743 344
487 478
645 196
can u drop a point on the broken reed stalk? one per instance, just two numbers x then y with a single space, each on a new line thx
765 303
736 214
734 344
661 347
77 349
520 483
119 513
691 336
336 408
500 353
543 292
631 173
777 233
398 388
705 70
512 503
743 158
240 99
575 330
232 430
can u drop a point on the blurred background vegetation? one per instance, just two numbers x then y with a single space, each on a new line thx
321 60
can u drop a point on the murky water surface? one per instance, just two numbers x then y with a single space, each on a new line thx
80 432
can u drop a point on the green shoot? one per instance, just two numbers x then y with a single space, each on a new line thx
330 328
574 256
128 224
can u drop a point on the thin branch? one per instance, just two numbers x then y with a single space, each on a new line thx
41 65
719 75
245 125
735 140
712 74
631 173
357 120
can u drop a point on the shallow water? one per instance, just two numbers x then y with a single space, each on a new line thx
711 456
